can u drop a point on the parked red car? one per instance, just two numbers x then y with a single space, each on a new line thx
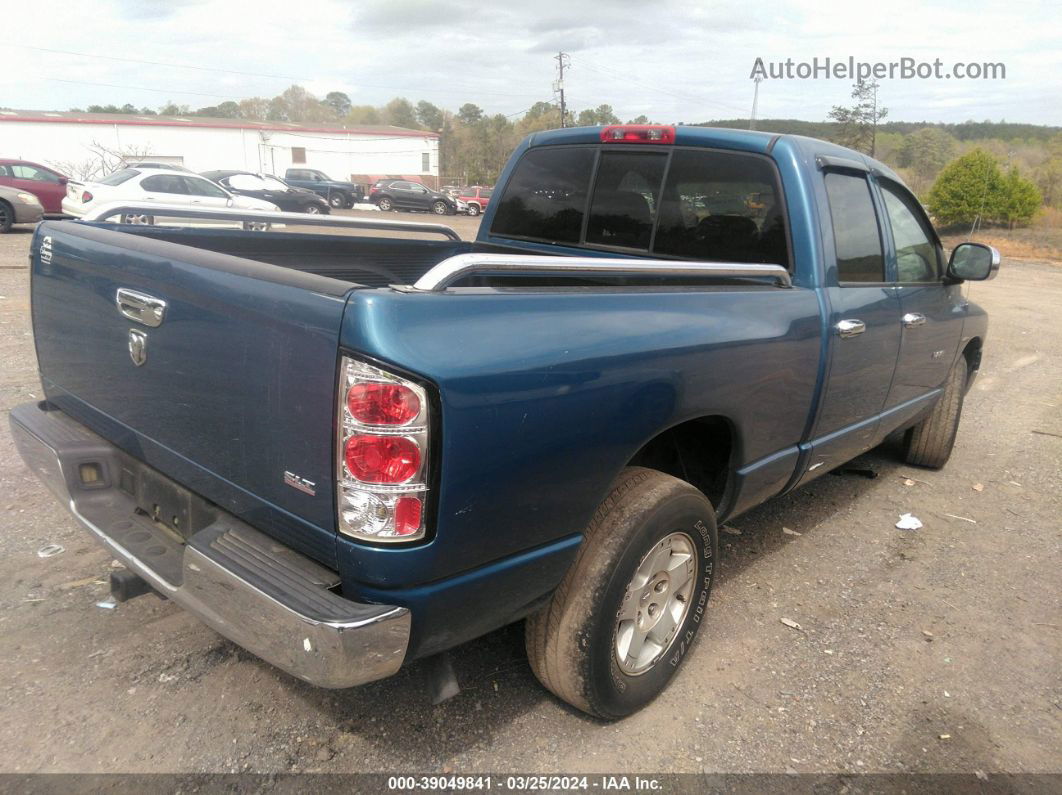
45 183
477 198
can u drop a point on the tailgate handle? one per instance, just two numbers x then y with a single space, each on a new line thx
142 308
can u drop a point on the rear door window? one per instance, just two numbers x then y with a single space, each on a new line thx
164 183
200 187
546 196
626 196
856 236
722 207
35 174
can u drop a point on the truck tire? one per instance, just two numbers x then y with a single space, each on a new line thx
338 200
473 210
929 443
627 612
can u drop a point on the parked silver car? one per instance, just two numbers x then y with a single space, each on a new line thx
18 207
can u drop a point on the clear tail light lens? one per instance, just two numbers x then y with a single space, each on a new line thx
382 453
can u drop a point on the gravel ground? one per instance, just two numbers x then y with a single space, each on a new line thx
933 650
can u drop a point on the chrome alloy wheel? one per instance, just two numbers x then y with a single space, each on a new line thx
655 604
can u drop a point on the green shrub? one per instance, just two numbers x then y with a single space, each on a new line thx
973 186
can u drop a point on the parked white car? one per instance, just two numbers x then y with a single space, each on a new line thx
164 186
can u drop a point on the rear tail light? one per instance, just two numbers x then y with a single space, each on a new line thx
381 459
638 134
86 197
383 404
382 453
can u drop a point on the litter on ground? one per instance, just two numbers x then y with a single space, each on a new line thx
909 522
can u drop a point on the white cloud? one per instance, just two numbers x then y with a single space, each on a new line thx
670 59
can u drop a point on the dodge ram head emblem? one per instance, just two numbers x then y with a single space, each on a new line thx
137 346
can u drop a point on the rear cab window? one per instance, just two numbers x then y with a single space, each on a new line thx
694 204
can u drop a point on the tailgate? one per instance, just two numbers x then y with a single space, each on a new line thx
231 390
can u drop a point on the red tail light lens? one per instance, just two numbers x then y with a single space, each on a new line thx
408 512
382 471
383 404
86 197
381 459
638 134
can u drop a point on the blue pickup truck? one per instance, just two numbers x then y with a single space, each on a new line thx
348 452
338 193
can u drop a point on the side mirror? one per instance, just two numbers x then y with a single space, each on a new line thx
973 262
64 180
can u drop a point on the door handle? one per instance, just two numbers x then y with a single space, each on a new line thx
912 319
850 328
140 307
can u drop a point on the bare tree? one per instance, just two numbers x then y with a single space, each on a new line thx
104 160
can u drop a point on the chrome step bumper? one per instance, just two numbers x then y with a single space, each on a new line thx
256 592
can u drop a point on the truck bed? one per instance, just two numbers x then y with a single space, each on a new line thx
368 261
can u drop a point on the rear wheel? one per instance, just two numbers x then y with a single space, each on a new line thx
385 204
440 207
473 210
7 217
312 209
256 226
630 607
929 443
138 220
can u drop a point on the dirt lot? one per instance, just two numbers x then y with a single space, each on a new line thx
931 650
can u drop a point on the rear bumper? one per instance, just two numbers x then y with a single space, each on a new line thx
261 595
72 208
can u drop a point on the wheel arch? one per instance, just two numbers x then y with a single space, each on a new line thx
700 451
972 353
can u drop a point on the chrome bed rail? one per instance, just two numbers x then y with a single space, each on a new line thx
110 209
459 266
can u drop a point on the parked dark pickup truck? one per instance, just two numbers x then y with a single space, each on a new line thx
345 452
338 193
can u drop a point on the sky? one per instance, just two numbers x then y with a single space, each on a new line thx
672 60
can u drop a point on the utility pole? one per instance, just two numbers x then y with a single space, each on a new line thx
874 118
755 102
562 59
